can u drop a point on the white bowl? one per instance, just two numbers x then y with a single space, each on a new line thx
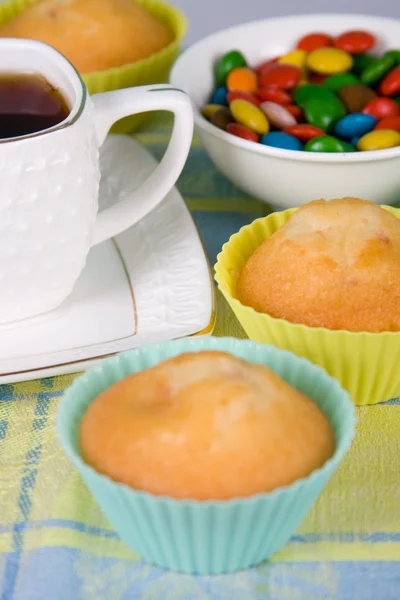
286 178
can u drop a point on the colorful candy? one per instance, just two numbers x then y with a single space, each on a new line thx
355 96
339 81
355 42
326 94
390 85
220 96
208 110
230 60
297 58
282 76
314 41
354 125
324 113
221 117
274 94
295 111
242 79
279 139
237 94
361 62
381 108
329 61
379 140
376 70
241 131
277 115
389 123
328 143
306 92
304 132
250 116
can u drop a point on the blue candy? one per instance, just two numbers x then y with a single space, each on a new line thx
279 139
354 140
219 96
354 125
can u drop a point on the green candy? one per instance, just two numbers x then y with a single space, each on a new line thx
328 143
229 61
395 54
397 99
361 62
303 94
324 112
377 70
340 80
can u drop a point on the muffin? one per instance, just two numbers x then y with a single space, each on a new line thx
204 536
205 426
333 264
94 35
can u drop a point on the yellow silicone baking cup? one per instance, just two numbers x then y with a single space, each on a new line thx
366 364
154 69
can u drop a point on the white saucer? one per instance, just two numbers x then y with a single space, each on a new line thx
150 283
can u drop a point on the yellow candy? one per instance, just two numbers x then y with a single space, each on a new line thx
249 115
208 110
296 58
379 139
329 61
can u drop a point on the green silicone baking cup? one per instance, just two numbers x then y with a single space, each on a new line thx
207 537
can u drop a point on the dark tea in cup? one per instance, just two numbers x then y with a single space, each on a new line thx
28 104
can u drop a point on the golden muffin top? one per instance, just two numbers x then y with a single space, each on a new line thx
204 426
333 264
93 34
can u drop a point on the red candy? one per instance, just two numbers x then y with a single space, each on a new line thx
274 94
283 76
313 41
241 131
266 65
295 111
355 42
239 95
381 108
389 123
390 84
304 132
317 78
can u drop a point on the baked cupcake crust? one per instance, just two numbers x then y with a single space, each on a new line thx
333 264
205 426
94 35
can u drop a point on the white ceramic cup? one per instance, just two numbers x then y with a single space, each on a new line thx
49 181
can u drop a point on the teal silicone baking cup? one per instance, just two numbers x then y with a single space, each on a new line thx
207 537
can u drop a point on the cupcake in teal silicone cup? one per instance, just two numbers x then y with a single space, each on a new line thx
206 454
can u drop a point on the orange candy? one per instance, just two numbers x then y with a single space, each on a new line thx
242 79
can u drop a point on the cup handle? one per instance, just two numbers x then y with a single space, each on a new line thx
112 106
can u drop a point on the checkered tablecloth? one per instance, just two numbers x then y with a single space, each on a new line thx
55 544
